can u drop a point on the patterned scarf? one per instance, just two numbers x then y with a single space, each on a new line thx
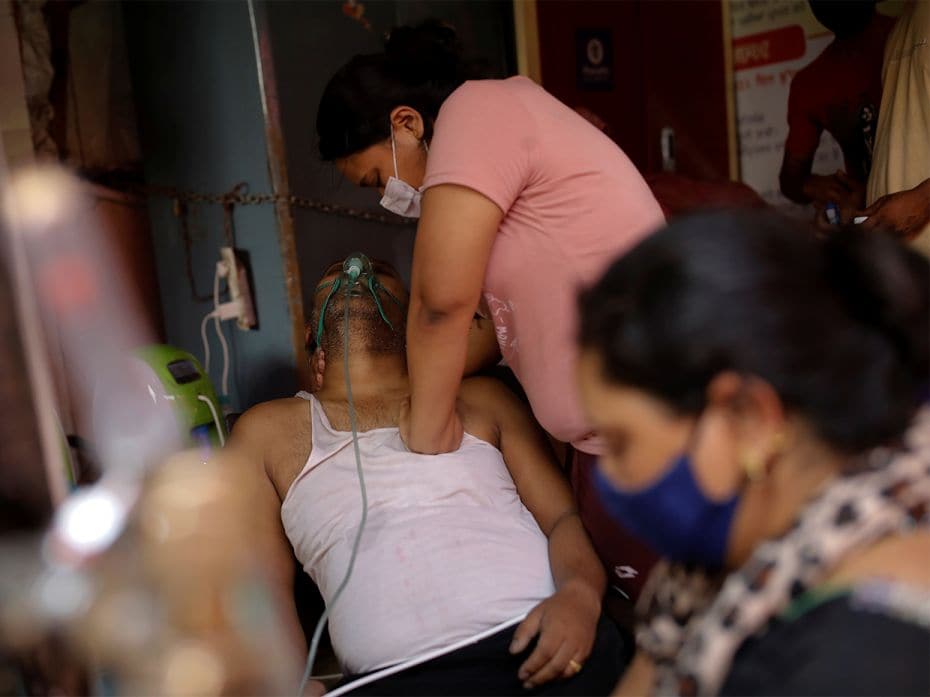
693 624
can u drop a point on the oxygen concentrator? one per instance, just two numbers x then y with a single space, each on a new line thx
176 376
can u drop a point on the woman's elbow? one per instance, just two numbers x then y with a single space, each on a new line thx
432 309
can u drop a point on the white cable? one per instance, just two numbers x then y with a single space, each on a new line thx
222 336
219 327
216 418
206 342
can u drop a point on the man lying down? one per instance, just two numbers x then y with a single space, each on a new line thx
454 545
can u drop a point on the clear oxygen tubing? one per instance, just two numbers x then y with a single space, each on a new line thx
353 420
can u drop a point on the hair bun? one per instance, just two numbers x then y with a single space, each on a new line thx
429 51
884 285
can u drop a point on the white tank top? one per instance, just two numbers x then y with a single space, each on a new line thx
448 550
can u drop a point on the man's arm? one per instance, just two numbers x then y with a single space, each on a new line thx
903 214
483 350
804 130
799 185
252 432
565 622
793 177
800 147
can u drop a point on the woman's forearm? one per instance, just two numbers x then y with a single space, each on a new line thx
450 258
437 343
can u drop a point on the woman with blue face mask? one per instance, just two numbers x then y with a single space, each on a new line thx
759 391
520 201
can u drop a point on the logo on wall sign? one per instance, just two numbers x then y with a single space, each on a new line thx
595 51
594 59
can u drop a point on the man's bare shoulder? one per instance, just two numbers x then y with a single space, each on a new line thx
492 397
268 421
477 390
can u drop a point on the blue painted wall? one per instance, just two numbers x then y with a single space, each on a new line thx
196 86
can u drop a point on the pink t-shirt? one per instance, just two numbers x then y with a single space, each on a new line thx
572 203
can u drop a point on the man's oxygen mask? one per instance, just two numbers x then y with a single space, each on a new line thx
356 280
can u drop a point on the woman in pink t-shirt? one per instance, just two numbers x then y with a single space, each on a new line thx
521 203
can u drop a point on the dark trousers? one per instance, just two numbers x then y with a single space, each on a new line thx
488 668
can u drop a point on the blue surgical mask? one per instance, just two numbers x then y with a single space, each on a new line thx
399 197
673 515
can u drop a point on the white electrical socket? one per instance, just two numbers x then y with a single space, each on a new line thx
237 281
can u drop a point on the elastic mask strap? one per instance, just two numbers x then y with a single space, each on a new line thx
390 295
394 152
319 329
373 286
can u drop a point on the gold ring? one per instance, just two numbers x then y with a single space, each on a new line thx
575 665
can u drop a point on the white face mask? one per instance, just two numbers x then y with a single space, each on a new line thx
399 197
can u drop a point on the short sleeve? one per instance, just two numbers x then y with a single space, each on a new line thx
803 131
484 139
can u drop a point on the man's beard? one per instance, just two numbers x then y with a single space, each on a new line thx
368 332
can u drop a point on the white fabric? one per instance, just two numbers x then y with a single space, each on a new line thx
448 551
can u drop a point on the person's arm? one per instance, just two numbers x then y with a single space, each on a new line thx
454 238
804 130
800 146
483 351
566 622
793 177
248 442
903 214
819 189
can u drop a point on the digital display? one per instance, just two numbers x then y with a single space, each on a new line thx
183 372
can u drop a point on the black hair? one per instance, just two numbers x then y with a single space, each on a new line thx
843 17
419 67
839 327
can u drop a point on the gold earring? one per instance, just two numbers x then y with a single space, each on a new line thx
752 465
779 443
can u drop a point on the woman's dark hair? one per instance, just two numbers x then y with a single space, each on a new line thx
839 327
419 67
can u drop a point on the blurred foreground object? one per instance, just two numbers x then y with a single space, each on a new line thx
151 577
